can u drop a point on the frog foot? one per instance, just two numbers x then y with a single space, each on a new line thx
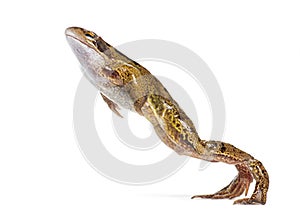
237 187
261 176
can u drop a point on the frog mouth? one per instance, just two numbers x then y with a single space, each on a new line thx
76 33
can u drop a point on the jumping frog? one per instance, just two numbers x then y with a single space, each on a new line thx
123 82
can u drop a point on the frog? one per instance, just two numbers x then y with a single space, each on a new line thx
124 83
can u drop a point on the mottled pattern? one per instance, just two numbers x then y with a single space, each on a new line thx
174 121
124 82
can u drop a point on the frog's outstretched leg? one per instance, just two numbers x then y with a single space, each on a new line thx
248 168
178 132
113 106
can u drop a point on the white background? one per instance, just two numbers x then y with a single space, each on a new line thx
253 49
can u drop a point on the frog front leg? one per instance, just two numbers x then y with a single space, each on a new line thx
112 105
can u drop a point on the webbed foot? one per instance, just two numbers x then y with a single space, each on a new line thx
261 176
237 187
241 184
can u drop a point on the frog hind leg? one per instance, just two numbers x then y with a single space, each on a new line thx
113 106
248 168
167 119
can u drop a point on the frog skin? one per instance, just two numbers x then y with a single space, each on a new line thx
123 82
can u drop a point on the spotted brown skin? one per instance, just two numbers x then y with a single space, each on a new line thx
123 82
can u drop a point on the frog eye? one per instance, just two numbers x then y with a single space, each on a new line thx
90 35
